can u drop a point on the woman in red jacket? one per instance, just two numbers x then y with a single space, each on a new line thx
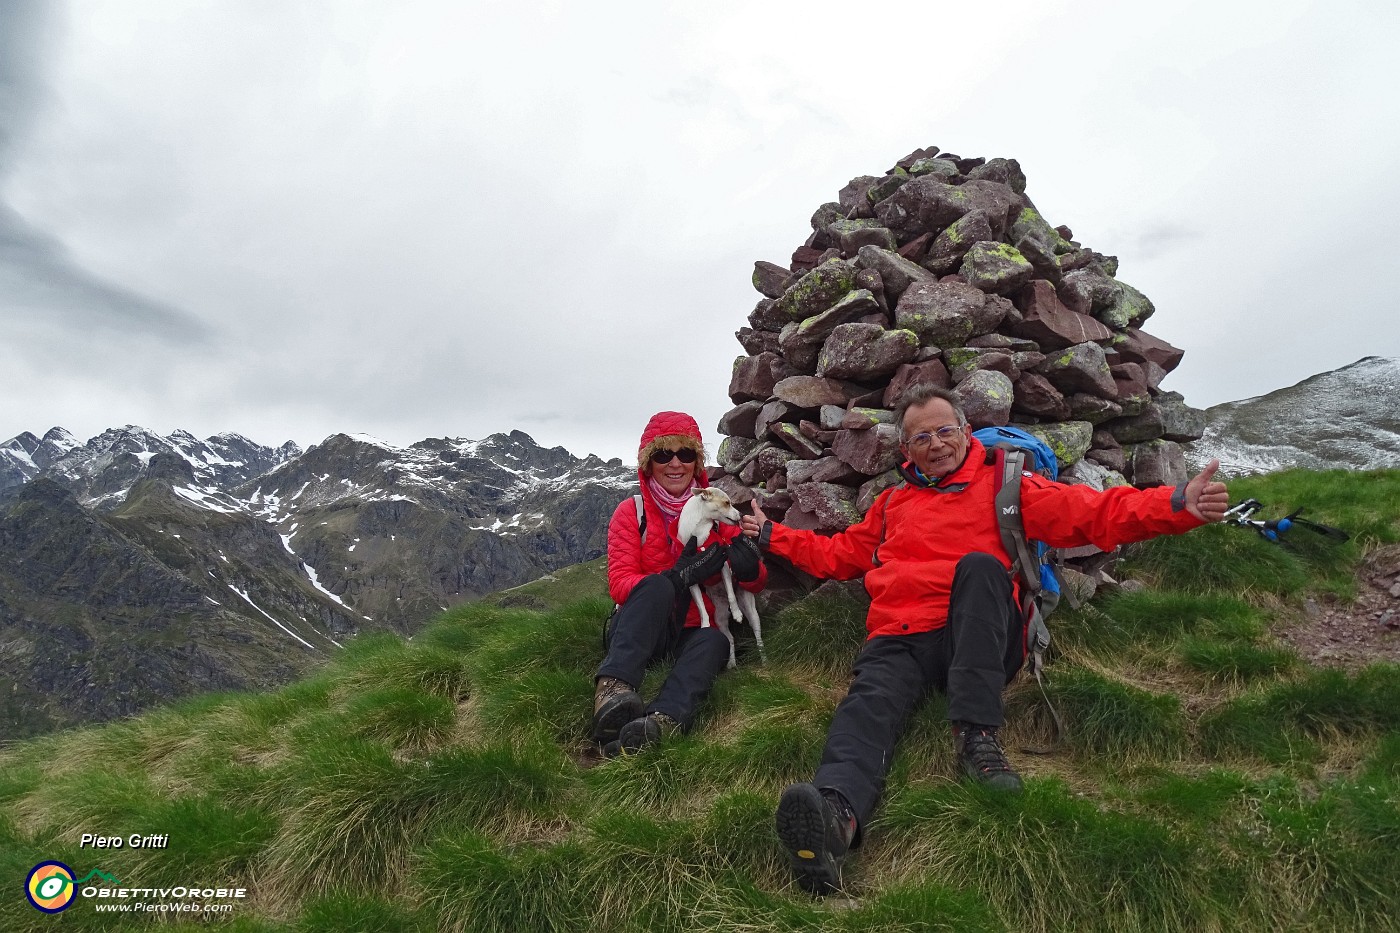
649 577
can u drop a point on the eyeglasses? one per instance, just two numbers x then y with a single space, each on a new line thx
684 455
924 438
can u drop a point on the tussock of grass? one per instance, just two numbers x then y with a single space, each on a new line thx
1208 780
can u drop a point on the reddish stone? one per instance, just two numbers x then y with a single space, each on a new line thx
1050 324
930 372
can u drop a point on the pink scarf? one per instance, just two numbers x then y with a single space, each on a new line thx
669 505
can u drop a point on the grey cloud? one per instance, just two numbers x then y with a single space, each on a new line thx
37 274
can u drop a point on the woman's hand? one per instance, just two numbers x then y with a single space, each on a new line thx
696 566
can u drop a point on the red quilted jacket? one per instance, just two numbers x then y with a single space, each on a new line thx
911 540
629 560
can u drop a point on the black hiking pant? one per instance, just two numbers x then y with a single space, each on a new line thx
970 660
651 626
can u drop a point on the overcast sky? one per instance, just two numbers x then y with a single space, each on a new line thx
290 219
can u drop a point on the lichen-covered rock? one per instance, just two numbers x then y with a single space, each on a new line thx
928 372
886 186
1134 429
865 351
870 452
1086 291
817 290
998 268
1180 422
1157 463
963 361
896 272
833 506
852 198
734 451
755 342
1080 368
1132 345
1129 308
948 314
850 308
863 419
796 441
1068 439
942 169
949 247
986 398
926 204
851 235
1029 224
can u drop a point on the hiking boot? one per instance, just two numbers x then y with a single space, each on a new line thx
615 704
646 730
982 758
816 827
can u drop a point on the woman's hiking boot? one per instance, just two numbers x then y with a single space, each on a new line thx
615 704
982 758
646 730
816 827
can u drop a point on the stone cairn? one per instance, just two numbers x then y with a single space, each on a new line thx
941 271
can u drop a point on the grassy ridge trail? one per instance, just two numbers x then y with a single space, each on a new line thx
1210 778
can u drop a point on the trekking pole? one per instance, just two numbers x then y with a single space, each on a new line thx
1242 514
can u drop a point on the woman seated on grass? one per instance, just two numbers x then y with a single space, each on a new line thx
649 577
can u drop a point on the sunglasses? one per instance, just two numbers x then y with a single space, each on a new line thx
685 455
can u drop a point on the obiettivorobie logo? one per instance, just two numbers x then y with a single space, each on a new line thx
51 886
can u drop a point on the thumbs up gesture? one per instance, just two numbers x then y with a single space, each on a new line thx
752 524
1205 498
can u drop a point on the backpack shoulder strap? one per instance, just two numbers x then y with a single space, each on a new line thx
1012 462
641 516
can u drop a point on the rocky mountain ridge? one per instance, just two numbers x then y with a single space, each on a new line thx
1347 418
227 564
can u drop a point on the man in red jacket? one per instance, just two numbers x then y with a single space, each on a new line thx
943 613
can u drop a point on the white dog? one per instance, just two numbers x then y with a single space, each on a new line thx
704 508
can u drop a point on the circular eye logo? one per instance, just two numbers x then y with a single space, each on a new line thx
49 887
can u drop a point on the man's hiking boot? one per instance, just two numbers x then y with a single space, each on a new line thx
615 704
982 758
816 827
646 730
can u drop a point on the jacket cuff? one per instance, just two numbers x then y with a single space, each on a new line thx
765 535
1179 497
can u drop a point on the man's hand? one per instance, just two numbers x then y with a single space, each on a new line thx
751 525
1205 498
695 566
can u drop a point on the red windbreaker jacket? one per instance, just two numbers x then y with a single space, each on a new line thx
909 543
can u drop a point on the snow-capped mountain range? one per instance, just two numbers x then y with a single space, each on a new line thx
258 560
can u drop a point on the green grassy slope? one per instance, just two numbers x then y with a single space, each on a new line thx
1209 778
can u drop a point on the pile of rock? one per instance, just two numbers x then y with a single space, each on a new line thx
942 271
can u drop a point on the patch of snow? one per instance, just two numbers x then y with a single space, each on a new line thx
316 582
270 618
